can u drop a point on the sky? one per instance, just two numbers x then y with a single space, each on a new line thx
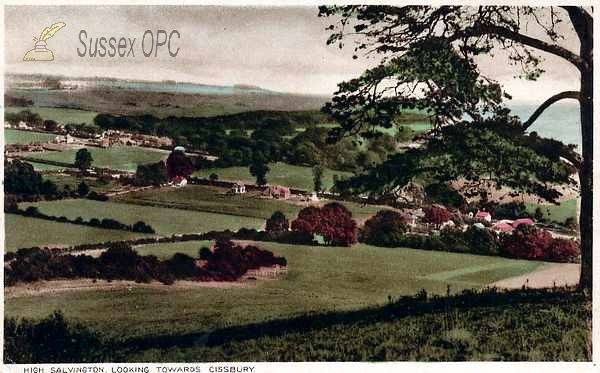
282 49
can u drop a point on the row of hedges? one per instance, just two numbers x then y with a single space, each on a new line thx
228 262
389 229
106 223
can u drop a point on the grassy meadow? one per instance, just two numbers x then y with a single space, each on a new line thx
164 221
28 232
566 209
215 199
13 136
280 174
123 158
73 181
318 279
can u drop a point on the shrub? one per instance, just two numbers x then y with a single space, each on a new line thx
455 240
482 241
205 253
436 215
97 197
142 227
277 223
571 222
562 250
526 242
50 340
386 228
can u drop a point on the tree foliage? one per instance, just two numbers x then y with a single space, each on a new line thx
333 222
83 159
178 164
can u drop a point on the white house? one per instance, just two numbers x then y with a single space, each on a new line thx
238 188
179 181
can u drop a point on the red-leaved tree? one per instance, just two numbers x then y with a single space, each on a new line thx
178 164
333 221
436 215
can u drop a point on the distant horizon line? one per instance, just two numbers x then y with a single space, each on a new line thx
242 86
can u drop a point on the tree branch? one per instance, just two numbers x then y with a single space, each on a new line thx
503 32
557 97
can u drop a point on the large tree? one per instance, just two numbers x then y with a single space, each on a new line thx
429 61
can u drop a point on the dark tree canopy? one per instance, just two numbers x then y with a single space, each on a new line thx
428 62
178 164
83 159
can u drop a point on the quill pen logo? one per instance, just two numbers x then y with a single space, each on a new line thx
40 52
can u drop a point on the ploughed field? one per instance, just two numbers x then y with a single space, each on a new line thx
317 279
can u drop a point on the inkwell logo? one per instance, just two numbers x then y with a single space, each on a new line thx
40 52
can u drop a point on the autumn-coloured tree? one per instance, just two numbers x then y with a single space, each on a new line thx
333 222
436 215
178 164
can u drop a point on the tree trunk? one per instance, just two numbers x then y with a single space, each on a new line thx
586 179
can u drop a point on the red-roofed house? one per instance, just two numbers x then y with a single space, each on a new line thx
502 227
179 181
483 215
524 221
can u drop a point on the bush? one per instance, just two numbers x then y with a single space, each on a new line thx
482 241
142 227
455 240
277 223
50 340
528 242
562 250
97 197
386 228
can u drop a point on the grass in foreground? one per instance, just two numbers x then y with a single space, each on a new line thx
28 232
523 325
164 221
280 174
124 158
12 136
318 279
214 199
529 329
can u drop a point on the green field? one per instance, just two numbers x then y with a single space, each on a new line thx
164 221
166 250
214 199
61 115
73 181
13 136
280 174
566 209
46 167
318 279
28 232
123 158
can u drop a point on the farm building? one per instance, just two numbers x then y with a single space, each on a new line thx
179 181
64 139
238 188
277 191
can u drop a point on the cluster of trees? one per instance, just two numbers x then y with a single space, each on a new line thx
21 179
389 229
106 223
36 121
333 222
26 116
228 262
177 164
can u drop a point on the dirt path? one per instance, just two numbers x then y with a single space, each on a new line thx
60 286
548 275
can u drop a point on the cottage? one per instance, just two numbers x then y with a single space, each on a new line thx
238 188
179 181
502 227
64 139
24 126
525 221
483 215
277 191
